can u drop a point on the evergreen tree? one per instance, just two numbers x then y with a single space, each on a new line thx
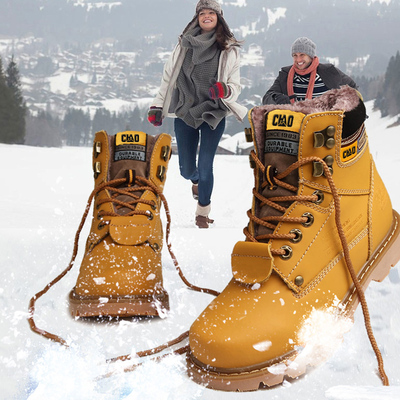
135 121
388 98
76 127
6 102
103 121
43 130
17 107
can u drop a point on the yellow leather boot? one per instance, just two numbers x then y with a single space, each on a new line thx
319 210
121 272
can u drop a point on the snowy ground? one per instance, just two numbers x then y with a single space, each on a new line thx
44 192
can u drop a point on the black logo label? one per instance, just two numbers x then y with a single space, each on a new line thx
283 120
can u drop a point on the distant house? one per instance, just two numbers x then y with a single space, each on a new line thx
222 150
235 144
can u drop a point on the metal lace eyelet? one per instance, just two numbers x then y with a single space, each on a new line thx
156 246
150 215
320 197
154 206
288 252
310 219
97 149
161 171
298 235
165 153
101 225
96 169
299 280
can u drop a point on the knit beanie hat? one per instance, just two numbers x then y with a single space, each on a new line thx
304 45
209 4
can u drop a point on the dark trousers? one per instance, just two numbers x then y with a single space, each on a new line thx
198 170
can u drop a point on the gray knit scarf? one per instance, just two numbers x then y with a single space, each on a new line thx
190 99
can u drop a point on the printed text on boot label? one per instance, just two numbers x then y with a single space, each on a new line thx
130 145
282 132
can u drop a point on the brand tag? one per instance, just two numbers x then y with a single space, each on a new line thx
353 145
282 132
130 145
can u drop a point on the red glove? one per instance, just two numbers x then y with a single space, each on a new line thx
219 90
154 116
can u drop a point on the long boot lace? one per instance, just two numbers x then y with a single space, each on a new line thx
115 189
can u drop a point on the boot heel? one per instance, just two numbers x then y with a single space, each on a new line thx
388 255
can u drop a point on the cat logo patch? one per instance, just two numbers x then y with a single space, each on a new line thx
130 145
282 132
353 145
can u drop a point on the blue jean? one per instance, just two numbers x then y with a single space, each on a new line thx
200 172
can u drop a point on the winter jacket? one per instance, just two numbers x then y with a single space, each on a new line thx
331 76
228 72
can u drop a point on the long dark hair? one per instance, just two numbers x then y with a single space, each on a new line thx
224 36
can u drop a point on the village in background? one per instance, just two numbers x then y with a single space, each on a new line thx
76 67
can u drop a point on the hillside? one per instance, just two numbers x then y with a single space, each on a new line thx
90 54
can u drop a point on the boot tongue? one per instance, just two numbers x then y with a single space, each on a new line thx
130 158
281 147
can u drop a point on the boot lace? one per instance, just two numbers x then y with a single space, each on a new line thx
116 189
267 222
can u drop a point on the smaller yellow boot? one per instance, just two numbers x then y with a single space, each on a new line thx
121 271
321 228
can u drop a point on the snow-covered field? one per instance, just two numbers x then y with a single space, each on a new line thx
43 196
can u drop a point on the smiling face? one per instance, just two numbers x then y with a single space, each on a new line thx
301 60
207 20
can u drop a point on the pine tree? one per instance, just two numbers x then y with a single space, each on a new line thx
6 102
43 130
76 127
388 99
103 121
18 106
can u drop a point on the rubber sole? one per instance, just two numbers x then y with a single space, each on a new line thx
118 306
376 269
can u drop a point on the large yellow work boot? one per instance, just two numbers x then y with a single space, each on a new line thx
319 210
121 271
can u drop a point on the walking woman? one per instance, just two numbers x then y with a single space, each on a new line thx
199 88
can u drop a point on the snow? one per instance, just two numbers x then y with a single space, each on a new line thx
253 56
44 193
91 5
237 3
275 14
60 83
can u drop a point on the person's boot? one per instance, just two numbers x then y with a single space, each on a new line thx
121 271
195 191
293 260
201 219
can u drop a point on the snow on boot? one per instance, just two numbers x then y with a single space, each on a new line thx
121 271
321 228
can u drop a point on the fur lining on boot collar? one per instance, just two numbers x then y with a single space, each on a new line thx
344 99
